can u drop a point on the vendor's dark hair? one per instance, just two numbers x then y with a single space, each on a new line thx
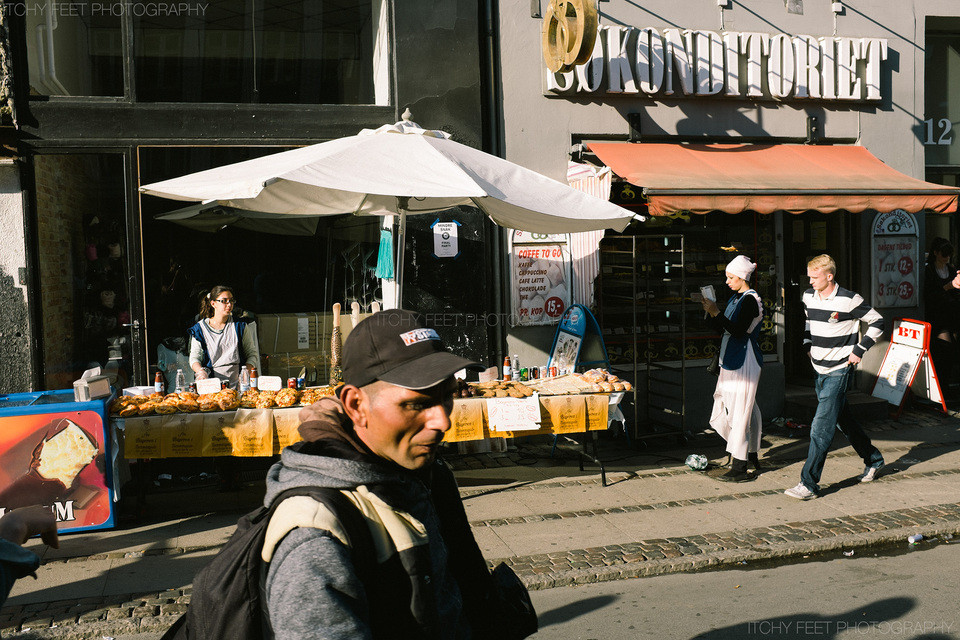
941 246
206 300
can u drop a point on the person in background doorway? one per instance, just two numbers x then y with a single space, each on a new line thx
16 527
832 335
735 414
219 342
942 309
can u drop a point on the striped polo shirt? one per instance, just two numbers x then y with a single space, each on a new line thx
831 331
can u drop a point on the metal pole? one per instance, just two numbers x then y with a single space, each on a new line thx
401 247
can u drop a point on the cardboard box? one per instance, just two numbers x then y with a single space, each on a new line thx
288 365
289 333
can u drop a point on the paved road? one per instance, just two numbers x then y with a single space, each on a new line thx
864 596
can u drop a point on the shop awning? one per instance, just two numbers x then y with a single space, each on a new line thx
700 178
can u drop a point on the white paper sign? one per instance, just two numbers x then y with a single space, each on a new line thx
269 383
514 414
303 333
209 385
446 243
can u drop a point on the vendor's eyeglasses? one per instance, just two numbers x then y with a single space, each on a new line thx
225 301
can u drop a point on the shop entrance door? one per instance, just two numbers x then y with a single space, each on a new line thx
804 236
89 312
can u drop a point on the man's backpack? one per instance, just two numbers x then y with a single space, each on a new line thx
227 599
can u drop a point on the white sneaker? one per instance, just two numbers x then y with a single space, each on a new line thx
870 474
800 492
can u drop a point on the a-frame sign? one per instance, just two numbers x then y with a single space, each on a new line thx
909 350
578 336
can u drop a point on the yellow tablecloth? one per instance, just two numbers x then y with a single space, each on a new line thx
264 432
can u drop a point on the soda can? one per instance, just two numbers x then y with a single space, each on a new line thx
301 383
534 373
544 371
553 372
524 374
291 383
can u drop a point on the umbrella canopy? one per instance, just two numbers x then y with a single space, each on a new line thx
397 169
212 217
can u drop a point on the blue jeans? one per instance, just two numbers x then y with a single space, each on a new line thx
833 412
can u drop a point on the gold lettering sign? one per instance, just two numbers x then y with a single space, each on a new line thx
569 33
142 437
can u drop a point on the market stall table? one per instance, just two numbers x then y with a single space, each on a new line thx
265 432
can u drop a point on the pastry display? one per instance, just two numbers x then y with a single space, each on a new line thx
592 381
287 397
223 400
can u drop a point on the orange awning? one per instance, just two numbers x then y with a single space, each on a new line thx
700 178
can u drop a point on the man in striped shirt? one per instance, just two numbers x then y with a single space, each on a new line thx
832 335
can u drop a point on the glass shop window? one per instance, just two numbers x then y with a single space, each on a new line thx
81 231
73 49
941 138
308 52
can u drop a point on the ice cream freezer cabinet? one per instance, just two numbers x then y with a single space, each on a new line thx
55 452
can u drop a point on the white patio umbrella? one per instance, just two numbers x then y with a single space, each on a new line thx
397 169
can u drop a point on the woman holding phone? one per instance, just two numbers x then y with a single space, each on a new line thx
735 414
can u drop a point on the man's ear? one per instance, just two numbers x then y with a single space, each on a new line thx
355 405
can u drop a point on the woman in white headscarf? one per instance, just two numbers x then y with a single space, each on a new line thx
735 414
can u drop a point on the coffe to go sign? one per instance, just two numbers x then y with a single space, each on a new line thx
540 276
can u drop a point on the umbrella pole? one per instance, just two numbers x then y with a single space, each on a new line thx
401 249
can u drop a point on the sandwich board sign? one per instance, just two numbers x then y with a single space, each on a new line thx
908 353
576 327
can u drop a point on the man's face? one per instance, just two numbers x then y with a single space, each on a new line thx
820 280
404 425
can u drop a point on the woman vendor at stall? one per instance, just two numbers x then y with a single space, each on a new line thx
221 343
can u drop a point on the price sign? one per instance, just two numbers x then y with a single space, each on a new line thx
896 250
540 276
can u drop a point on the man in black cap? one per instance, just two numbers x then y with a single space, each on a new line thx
377 443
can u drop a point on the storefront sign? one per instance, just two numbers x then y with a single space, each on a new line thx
446 244
569 33
896 251
631 61
540 276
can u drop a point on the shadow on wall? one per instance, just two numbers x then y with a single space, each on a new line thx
15 360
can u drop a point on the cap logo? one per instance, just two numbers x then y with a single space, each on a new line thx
418 335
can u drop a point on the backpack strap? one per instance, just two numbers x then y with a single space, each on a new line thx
318 508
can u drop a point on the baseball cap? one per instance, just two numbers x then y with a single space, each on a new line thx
397 346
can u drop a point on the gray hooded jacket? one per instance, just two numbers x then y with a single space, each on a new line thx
312 587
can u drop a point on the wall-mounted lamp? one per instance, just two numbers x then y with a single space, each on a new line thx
837 7
722 3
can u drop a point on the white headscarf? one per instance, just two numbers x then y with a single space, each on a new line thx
741 267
